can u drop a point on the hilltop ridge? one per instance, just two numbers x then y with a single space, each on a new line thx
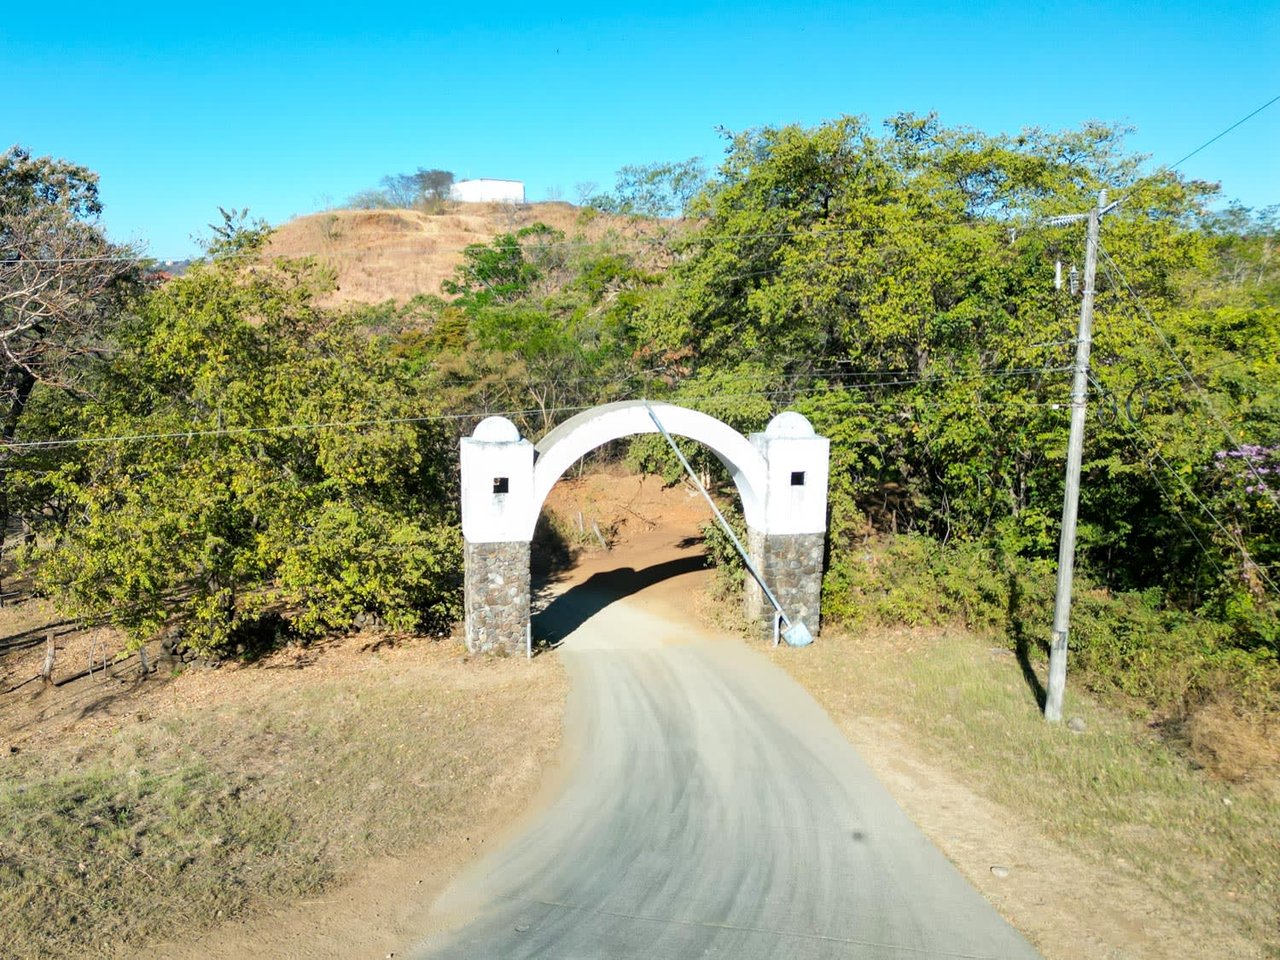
396 254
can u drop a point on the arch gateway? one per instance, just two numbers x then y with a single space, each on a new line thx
780 474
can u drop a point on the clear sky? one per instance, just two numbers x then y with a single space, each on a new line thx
286 109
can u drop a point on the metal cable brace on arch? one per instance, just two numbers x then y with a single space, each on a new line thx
796 634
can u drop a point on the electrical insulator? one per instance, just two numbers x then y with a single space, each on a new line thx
1073 280
1057 275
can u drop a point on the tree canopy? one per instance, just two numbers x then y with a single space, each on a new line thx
63 288
899 288
240 495
895 283
421 189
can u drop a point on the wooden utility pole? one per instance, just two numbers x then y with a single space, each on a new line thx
1075 451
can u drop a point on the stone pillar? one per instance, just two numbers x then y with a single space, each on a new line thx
497 596
497 497
789 551
791 564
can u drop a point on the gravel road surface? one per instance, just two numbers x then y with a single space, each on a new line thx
705 807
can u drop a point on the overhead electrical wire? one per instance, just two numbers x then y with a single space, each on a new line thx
1170 167
814 388
1204 508
1182 518
657 241
1109 265
1214 139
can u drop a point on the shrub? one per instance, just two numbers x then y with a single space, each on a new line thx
1126 643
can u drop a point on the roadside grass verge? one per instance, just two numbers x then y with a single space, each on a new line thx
1117 794
270 783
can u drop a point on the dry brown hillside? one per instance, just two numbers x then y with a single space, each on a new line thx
395 254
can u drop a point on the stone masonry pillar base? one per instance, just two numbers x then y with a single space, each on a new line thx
497 597
791 563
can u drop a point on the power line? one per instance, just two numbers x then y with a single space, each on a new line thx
605 242
277 428
1151 469
837 372
1109 265
1204 508
660 241
1170 167
1214 139
1182 517
192 434
722 238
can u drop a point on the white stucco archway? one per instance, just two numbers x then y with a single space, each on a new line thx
780 475
579 435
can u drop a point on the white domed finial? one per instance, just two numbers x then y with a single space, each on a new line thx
496 430
789 424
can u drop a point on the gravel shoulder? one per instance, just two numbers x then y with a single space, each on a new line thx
1105 843
300 806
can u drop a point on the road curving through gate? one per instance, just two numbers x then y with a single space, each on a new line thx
707 808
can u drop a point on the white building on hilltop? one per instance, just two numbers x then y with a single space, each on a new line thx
488 191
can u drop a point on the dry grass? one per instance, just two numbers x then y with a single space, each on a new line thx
380 255
1120 797
202 796
1233 744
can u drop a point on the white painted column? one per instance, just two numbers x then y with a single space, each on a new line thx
497 496
790 548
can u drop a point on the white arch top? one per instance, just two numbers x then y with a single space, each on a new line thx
781 474
581 434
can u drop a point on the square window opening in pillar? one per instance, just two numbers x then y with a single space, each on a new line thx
797 478
501 485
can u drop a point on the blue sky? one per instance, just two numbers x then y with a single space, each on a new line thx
286 109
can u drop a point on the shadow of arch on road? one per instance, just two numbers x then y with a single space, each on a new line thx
579 603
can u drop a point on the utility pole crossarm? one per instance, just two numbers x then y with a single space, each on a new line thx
1065 219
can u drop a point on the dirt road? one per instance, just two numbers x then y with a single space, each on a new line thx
706 807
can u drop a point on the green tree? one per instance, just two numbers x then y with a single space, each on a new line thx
654 189
435 184
63 287
501 271
548 326
899 287
421 188
283 465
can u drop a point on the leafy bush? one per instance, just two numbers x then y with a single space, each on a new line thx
237 496
1166 658
1129 643
876 280
366 559
913 580
723 555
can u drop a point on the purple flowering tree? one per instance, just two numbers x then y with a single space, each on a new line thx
1251 467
